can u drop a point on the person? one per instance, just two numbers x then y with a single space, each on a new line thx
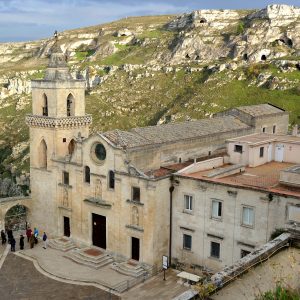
45 240
31 241
13 244
21 242
9 235
36 235
3 237
28 233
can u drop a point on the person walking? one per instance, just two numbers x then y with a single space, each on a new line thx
9 235
31 241
45 240
21 242
36 235
3 237
13 244
28 233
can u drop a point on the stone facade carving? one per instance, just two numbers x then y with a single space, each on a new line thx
41 121
135 216
98 189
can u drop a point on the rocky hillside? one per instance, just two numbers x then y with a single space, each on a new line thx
150 70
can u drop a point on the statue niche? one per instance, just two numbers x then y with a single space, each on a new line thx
135 216
98 189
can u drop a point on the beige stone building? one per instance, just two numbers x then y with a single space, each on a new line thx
229 206
111 189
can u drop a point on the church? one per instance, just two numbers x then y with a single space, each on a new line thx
113 190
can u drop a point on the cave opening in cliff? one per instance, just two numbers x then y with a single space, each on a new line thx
297 66
263 57
202 21
245 57
187 56
289 42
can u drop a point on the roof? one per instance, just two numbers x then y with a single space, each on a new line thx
259 138
173 132
264 177
260 110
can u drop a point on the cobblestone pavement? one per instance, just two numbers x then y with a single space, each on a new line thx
19 280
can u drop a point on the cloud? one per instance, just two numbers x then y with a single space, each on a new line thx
39 18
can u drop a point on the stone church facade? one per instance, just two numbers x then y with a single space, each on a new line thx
112 189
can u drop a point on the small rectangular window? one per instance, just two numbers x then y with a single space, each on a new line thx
238 148
66 177
244 253
187 242
261 152
274 128
264 129
188 202
64 140
248 216
215 249
216 209
111 179
136 194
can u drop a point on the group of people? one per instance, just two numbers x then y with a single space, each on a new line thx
32 238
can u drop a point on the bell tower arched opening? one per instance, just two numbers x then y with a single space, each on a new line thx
43 154
45 105
71 147
70 106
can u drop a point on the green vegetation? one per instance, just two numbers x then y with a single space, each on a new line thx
81 55
280 293
277 232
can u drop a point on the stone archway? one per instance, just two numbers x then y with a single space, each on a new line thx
16 217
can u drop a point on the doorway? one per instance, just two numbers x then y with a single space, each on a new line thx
279 151
67 227
135 248
99 231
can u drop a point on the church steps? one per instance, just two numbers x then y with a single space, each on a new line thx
62 244
129 269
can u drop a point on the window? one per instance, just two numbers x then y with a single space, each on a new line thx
70 105
64 140
111 179
244 253
215 249
71 147
188 202
294 213
187 242
136 194
87 174
274 128
216 211
43 154
248 216
45 105
238 148
261 152
264 129
66 177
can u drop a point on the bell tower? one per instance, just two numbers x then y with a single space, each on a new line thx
58 119
58 113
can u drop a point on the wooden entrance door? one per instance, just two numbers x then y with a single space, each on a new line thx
99 231
135 248
67 226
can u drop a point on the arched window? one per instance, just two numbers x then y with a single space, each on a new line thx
70 105
71 147
45 105
87 174
43 154
111 179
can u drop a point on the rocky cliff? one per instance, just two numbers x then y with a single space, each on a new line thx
149 70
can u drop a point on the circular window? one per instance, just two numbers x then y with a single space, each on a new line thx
100 152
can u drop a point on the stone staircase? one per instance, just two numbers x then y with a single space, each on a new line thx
63 244
90 257
130 268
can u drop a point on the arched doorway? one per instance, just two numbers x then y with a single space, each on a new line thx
70 105
16 218
43 154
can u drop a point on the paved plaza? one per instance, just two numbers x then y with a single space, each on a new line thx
34 274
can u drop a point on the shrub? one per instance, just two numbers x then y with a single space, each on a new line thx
277 232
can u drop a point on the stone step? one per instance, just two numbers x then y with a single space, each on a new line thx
125 268
79 256
62 244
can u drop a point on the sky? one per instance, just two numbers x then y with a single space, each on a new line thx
24 20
